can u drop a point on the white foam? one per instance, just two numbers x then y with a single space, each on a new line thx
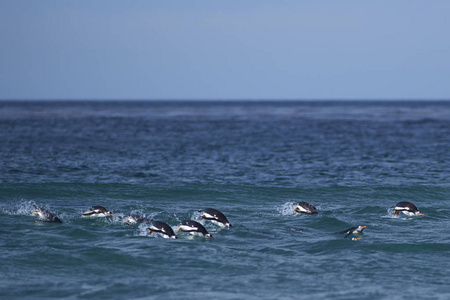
117 218
24 208
390 214
287 209
142 230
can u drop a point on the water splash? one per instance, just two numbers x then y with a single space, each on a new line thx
390 214
400 216
196 215
24 208
142 230
287 209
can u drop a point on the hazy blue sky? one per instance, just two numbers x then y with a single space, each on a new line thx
246 49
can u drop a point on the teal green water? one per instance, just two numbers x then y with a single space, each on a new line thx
253 161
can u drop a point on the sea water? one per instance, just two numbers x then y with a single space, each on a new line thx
251 160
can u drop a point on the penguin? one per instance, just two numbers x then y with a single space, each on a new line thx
97 211
162 228
135 219
305 208
407 208
215 216
193 226
353 230
45 215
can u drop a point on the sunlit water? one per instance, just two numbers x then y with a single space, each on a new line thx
253 161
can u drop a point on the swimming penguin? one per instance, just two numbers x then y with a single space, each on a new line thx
353 230
407 208
162 228
215 216
135 219
193 226
45 215
305 208
97 211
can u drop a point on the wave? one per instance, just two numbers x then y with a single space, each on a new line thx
410 247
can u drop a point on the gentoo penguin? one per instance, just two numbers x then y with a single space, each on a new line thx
407 208
353 230
45 215
162 228
305 208
215 216
135 219
193 226
97 211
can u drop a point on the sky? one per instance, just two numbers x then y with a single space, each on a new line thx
225 50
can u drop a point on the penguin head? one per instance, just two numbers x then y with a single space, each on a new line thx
209 235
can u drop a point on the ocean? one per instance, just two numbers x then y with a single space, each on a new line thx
253 161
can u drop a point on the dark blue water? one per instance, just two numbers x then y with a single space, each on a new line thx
253 161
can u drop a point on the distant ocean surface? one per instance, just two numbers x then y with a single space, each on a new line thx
353 160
